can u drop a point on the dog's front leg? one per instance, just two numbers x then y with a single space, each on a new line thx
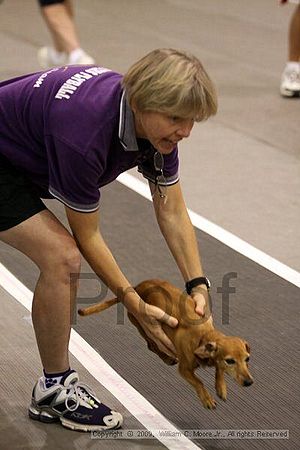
186 370
220 384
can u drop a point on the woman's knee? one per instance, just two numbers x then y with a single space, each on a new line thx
63 259
71 259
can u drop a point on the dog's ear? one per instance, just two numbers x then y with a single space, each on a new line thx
206 350
247 346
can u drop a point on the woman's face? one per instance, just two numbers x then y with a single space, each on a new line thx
163 131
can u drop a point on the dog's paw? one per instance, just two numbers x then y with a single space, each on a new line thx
208 401
222 392
169 360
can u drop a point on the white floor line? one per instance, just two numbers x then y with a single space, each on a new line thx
222 235
132 400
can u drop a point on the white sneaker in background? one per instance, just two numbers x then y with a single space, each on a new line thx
79 56
49 57
290 80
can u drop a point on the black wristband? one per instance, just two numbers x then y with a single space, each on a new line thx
190 285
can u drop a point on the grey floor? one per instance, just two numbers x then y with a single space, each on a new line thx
240 170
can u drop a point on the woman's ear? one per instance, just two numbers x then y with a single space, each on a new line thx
133 107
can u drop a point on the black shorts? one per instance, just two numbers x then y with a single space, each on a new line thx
49 2
19 198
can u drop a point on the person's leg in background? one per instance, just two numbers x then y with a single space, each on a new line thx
290 81
59 17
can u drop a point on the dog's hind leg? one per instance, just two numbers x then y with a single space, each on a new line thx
166 358
151 344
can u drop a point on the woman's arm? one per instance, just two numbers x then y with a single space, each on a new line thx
178 231
86 231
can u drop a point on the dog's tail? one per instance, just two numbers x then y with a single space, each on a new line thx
99 307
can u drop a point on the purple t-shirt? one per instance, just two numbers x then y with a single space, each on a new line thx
71 130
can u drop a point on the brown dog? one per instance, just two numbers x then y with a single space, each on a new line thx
196 340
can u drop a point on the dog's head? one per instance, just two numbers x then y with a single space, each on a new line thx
228 354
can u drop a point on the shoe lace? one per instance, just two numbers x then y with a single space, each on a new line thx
81 392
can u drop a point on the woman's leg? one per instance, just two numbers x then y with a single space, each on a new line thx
52 248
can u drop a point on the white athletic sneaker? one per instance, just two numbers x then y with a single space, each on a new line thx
49 57
79 56
73 404
290 81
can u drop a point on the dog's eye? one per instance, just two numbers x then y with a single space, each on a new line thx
230 361
247 359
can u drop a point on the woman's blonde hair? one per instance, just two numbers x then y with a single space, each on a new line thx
172 82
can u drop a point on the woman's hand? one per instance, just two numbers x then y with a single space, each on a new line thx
151 319
201 298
